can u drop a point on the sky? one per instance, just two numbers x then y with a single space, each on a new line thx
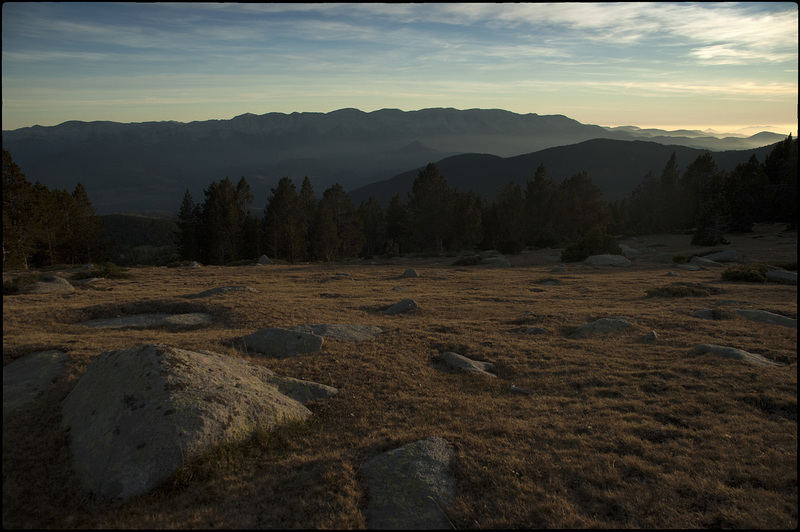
723 66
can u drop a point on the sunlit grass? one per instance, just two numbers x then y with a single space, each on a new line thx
620 432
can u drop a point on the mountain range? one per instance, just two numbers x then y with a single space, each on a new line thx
147 166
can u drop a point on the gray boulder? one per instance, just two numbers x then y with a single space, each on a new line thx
25 378
500 262
782 276
458 362
274 341
154 319
728 255
138 414
629 251
405 305
263 261
601 326
762 316
50 283
607 260
410 273
409 487
704 262
734 353
354 333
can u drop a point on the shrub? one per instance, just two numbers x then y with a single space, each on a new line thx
749 273
595 242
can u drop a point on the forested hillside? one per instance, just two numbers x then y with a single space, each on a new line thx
43 227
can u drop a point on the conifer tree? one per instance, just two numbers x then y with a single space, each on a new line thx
285 238
542 196
397 226
19 229
349 230
86 227
430 210
374 224
187 237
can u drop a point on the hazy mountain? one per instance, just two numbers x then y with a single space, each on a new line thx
148 166
615 167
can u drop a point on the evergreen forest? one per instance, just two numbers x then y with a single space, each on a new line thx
44 227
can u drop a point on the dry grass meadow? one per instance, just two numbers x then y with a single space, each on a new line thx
619 433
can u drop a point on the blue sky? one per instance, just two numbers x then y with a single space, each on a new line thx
724 66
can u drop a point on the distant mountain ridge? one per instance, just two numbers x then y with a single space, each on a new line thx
616 167
147 166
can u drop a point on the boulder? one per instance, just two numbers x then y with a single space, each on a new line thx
138 414
50 283
410 486
728 255
704 262
274 341
354 333
25 378
405 305
410 273
690 267
650 337
781 276
607 260
458 362
536 330
264 260
734 353
193 264
155 319
602 326
762 316
629 251
500 262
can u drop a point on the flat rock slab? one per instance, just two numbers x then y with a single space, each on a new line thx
274 341
607 260
762 316
406 305
728 255
734 353
354 333
50 283
458 362
409 486
222 290
781 276
155 319
25 378
138 414
601 326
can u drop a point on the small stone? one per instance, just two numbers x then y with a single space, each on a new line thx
410 273
405 305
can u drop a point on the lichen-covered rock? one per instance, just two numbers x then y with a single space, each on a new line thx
137 414
409 487
354 333
25 378
274 341
602 326
461 363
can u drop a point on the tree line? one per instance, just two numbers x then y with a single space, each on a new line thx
42 227
435 218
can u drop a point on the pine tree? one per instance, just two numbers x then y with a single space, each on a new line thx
397 226
86 227
430 210
220 223
187 237
581 207
349 230
467 221
780 167
19 231
285 238
374 224
542 195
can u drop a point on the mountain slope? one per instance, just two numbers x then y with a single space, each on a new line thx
615 167
148 166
